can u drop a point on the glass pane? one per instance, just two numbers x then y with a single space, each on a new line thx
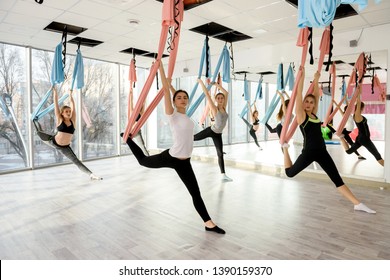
13 109
260 106
239 128
99 98
272 120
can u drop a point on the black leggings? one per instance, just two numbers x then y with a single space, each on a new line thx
349 140
277 129
65 150
252 132
322 157
183 168
365 141
217 139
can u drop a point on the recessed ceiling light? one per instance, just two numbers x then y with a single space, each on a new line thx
260 31
133 22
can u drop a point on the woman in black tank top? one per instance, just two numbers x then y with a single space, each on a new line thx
255 124
66 117
314 148
363 138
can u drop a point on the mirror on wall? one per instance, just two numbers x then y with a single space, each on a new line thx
374 110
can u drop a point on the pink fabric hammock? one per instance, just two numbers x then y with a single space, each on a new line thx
329 112
381 89
172 16
360 70
289 130
132 80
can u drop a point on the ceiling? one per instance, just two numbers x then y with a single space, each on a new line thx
268 22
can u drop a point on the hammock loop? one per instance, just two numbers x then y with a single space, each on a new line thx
63 40
173 30
208 63
232 59
330 47
310 39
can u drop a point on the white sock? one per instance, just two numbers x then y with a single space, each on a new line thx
94 177
285 145
226 178
362 207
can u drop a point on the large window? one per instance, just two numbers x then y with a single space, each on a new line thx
239 128
97 109
99 99
13 109
41 62
272 120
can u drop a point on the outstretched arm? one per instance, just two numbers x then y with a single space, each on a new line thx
167 94
299 111
316 91
358 112
210 102
72 107
284 108
56 106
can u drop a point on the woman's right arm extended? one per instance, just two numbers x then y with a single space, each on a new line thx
167 94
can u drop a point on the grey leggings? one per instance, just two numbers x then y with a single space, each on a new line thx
65 150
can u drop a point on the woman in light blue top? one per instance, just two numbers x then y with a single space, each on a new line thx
220 118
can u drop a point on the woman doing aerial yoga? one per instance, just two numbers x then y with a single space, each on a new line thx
65 120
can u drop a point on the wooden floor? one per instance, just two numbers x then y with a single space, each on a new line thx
140 213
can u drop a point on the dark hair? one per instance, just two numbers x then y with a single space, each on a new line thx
311 96
178 91
281 113
219 93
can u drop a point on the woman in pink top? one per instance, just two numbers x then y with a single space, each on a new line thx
179 155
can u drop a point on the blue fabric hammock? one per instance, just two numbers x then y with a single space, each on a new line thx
320 13
246 97
224 57
202 63
77 79
57 77
290 80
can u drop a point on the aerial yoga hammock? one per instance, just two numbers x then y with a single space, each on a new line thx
130 103
254 115
207 111
282 95
223 58
172 17
314 14
66 116
206 62
363 138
